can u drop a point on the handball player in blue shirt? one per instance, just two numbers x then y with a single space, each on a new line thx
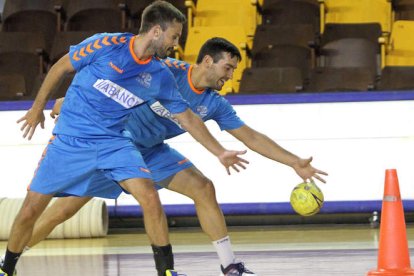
149 129
116 73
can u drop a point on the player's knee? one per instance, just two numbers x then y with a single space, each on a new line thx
150 199
204 191
63 214
28 214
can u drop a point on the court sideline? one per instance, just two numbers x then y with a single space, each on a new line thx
313 250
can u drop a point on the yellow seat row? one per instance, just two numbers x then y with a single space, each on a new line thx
397 41
356 11
398 49
235 20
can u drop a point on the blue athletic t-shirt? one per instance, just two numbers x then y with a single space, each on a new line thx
150 124
110 82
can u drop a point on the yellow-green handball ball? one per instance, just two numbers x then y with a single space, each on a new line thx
306 199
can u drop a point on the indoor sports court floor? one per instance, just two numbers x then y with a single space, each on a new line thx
311 250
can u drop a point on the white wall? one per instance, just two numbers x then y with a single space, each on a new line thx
354 142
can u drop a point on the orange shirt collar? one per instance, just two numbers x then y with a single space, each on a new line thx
134 56
195 90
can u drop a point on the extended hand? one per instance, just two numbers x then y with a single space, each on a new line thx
230 158
305 170
30 122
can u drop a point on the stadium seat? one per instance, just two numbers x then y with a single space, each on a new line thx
271 35
350 45
216 13
403 9
396 78
356 11
284 56
94 15
369 31
286 12
271 80
340 79
63 41
134 11
235 34
399 51
350 52
32 16
23 53
284 46
12 87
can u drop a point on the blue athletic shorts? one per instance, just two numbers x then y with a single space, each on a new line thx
164 162
79 167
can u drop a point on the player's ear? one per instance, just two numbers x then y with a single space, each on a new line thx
157 31
208 60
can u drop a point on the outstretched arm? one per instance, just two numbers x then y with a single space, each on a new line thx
265 146
195 126
35 115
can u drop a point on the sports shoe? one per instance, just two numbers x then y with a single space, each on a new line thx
169 272
237 269
2 273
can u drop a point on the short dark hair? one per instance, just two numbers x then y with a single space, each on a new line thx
160 13
215 47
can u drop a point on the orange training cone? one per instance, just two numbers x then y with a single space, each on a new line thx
393 254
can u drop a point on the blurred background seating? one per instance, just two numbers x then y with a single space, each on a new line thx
287 45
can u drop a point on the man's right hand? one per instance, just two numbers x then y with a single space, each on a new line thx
35 115
31 120
230 158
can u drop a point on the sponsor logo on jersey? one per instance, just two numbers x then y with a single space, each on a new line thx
161 111
144 79
117 93
116 68
202 110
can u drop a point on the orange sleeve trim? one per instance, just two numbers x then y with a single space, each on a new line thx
96 44
134 56
89 49
114 41
168 62
82 52
190 83
75 56
105 41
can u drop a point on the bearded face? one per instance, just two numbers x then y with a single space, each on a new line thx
167 40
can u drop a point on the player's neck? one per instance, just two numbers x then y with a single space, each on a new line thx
197 77
142 47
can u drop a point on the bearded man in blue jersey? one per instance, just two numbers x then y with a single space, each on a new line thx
197 83
115 74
